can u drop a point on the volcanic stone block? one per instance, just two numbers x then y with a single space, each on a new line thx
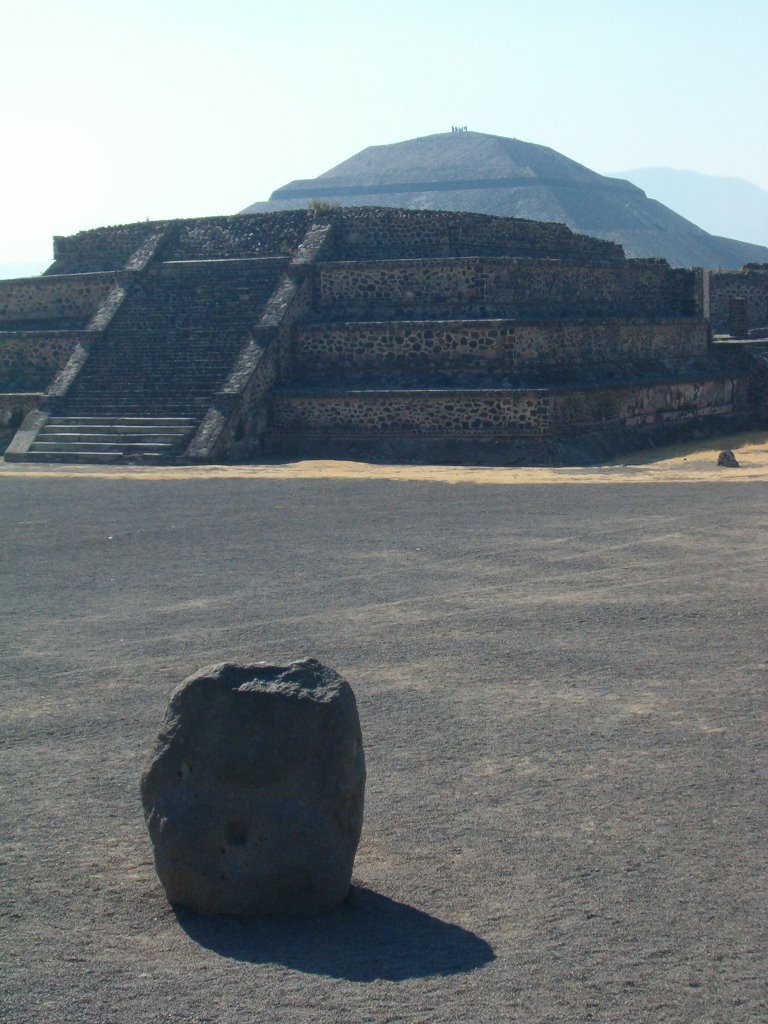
254 795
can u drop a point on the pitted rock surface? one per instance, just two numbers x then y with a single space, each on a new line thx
254 795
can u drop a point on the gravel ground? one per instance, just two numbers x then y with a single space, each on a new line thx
562 697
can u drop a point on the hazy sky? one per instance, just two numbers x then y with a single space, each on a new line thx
116 112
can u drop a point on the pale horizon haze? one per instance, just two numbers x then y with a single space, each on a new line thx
115 113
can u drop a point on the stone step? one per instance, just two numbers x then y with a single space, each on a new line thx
112 434
154 405
122 421
173 342
171 378
129 410
154 408
98 439
70 456
112 444
172 374
136 409
134 435
176 361
77 445
131 394
130 430
297 391
120 384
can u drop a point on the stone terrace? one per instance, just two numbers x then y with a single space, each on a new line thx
382 332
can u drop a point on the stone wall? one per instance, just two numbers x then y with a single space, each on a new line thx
60 303
239 237
758 382
30 360
203 238
495 345
749 284
503 414
752 356
439 413
640 405
575 343
358 233
101 249
502 287
389 233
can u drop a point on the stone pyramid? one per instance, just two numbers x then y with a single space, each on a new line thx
474 172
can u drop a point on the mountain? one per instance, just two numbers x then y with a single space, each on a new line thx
471 171
720 205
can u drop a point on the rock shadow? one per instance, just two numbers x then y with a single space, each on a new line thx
369 938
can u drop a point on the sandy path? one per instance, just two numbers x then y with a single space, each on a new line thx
691 463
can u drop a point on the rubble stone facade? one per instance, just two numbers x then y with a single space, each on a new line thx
381 332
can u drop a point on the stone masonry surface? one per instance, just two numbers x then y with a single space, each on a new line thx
61 303
238 237
502 414
28 360
387 233
200 239
269 332
108 248
359 233
492 344
417 412
506 287
15 405
749 284
175 339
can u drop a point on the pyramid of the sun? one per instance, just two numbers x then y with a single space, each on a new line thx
479 173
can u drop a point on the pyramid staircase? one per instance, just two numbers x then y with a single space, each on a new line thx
96 439
146 385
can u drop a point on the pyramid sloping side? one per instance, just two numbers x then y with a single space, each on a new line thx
452 157
473 172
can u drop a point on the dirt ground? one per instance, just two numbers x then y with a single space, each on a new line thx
561 682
